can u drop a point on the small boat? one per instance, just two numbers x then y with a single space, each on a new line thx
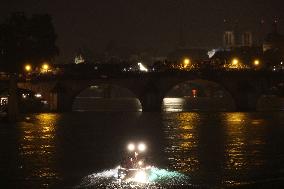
134 167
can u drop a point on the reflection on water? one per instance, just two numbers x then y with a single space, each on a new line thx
181 135
212 150
37 149
225 148
246 145
157 178
235 148
197 104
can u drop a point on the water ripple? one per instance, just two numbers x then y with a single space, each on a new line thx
158 178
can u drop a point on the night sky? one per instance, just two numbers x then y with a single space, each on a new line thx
146 24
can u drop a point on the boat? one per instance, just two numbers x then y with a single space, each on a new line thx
134 167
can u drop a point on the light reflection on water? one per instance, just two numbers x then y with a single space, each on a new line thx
235 148
37 148
186 104
182 139
157 178
246 145
214 150
229 149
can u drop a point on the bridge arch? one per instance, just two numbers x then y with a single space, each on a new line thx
104 97
273 99
197 95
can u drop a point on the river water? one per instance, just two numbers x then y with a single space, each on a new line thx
187 150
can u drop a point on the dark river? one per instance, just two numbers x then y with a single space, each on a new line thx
187 150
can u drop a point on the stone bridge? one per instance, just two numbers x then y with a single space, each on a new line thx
245 87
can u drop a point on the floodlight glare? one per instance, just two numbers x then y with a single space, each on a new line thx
131 147
141 147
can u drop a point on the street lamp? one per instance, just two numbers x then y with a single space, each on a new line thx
28 68
45 67
235 62
186 62
256 62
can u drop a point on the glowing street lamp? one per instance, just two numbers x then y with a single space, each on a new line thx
28 68
256 62
235 62
45 67
186 62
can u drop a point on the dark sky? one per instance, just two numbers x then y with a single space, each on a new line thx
146 24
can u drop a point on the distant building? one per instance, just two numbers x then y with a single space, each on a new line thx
273 40
79 59
229 39
273 49
247 39
83 55
239 46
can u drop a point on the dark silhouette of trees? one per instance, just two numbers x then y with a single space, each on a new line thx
26 40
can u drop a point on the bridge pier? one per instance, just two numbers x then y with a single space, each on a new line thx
245 103
60 101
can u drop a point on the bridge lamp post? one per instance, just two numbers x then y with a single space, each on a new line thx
186 62
256 62
28 68
235 62
45 67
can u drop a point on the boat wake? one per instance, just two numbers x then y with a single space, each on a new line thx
158 178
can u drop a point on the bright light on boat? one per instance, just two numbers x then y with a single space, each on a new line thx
131 147
140 176
142 147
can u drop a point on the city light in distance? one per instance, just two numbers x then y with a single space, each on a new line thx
186 62
235 62
38 95
142 67
28 67
45 66
256 62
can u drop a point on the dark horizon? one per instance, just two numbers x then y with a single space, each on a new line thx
146 25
